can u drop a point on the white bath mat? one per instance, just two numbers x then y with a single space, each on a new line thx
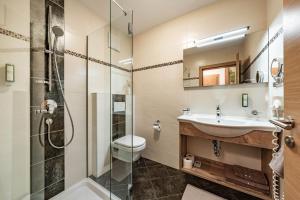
193 193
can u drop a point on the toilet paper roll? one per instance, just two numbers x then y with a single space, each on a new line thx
187 163
191 157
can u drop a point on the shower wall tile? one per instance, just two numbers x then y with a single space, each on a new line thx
47 163
40 92
38 34
38 195
57 138
37 151
54 170
60 64
58 115
37 181
37 11
41 149
49 192
37 124
54 189
47 173
37 61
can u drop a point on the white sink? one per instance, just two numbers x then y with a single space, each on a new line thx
226 126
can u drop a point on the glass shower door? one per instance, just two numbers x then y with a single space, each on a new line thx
121 100
110 103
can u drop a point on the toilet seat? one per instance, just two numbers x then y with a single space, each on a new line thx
130 143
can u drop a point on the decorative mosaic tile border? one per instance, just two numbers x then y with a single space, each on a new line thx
73 53
98 61
78 55
279 32
14 35
159 65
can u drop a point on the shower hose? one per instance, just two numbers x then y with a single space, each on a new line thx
49 122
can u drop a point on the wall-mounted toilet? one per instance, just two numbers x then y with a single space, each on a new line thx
128 148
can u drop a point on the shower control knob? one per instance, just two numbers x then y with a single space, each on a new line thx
289 141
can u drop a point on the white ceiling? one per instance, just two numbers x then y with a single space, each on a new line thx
148 13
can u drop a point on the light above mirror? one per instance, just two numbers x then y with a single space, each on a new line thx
223 37
232 35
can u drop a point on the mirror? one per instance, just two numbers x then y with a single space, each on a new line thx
231 58
277 71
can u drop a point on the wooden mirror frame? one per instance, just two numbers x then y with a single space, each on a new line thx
236 63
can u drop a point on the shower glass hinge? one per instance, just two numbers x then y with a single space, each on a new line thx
130 28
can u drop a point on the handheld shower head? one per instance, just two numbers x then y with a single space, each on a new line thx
58 32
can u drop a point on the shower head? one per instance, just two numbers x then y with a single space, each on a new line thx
58 32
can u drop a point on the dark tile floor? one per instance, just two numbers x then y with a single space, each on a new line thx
154 181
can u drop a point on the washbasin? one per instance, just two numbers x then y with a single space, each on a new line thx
226 126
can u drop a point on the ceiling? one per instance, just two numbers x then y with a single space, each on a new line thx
147 13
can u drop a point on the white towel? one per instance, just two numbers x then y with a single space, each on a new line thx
277 163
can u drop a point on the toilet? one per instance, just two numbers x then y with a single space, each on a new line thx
128 148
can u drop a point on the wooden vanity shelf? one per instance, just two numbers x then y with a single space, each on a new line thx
225 174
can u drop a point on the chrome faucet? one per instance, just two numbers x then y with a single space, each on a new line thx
218 111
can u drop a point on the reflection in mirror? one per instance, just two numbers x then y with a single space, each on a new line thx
223 74
231 58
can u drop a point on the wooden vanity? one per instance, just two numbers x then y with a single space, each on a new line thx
218 172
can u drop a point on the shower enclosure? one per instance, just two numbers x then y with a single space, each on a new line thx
65 98
110 102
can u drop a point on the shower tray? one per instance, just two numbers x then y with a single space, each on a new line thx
86 189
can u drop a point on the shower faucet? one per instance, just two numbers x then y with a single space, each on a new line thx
48 106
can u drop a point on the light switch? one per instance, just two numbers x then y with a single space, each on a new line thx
245 100
9 73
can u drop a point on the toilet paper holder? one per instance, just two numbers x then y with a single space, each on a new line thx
156 125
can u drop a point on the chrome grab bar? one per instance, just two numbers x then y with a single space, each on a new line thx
286 124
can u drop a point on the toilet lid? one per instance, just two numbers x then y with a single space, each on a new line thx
128 140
